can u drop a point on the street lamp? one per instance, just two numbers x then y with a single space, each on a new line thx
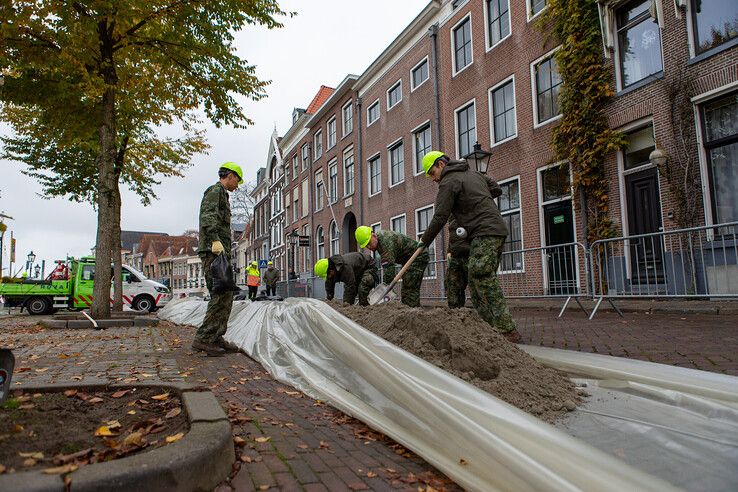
479 158
37 271
657 157
31 258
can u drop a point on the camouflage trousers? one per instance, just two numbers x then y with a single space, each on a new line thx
487 296
219 307
457 278
366 284
412 279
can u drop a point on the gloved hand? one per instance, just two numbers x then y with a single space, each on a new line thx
217 247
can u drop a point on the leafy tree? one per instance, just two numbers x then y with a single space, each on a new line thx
86 84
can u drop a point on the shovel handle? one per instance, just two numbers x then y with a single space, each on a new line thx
402 271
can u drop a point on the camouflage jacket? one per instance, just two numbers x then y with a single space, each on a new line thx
395 248
349 269
215 219
271 276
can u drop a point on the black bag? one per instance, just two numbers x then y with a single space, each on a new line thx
222 273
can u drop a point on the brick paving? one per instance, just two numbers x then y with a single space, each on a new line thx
288 441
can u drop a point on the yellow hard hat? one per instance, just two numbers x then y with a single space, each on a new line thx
321 268
270 263
232 166
363 235
430 158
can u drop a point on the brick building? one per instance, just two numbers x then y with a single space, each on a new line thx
482 71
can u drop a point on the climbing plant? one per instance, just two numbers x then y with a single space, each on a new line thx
583 138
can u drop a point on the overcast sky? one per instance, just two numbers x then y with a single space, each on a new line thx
327 40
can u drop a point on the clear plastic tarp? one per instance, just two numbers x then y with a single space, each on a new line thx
479 441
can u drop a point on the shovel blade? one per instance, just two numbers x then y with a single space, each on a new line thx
376 295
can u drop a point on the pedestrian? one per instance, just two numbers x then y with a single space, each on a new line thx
466 194
356 270
291 275
253 280
271 277
395 248
215 239
457 256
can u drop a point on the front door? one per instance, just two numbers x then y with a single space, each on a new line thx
644 217
559 224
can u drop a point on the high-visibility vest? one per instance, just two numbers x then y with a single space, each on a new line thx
253 277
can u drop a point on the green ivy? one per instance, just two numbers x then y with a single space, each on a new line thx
583 138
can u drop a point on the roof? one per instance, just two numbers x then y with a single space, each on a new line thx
130 238
323 94
343 88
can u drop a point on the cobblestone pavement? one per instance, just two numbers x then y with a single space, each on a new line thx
696 341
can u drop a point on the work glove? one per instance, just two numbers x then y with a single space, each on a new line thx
217 247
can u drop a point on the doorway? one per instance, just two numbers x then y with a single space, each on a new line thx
644 217
561 261
349 230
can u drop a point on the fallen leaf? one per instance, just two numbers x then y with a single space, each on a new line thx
173 413
18 428
292 393
23 369
246 459
70 393
175 437
95 399
36 455
76 378
259 409
263 439
131 412
113 424
239 441
133 439
2 469
110 443
160 397
463 462
44 369
60 469
63 356
61 459
105 431
303 446
120 393
371 474
263 487
324 445
29 462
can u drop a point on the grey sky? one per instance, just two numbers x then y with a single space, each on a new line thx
325 41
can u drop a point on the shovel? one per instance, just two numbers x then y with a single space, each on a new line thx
381 293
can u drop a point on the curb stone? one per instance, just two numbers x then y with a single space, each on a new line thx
199 461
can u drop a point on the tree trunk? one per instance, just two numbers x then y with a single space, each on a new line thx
117 267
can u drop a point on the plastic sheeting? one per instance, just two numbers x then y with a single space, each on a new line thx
479 441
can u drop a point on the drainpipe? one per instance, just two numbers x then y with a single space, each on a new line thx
311 198
433 34
360 160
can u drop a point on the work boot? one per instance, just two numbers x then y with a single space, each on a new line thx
225 345
212 349
513 336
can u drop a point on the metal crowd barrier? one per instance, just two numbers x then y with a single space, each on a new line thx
698 262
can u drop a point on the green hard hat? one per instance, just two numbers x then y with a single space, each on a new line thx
430 158
321 268
232 166
363 235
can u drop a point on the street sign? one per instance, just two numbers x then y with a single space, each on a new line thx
304 241
262 263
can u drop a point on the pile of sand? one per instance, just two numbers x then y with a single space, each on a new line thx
460 342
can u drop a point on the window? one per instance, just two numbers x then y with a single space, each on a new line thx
466 129
295 205
547 85
639 42
422 142
348 118
462 45
504 122
509 203
720 134
556 183
305 197
333 182
394 95
397 164
318 144
294 168
305 157
372 113
423 218
348 173
331 133
397 224
498 18
535 7
334 238
640 144
319 190
714 22
419 74
319 243
375 175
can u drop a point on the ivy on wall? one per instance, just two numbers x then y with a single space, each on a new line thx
583 138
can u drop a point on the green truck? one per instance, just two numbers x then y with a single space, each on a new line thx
70 287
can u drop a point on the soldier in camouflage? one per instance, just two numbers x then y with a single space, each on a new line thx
358 272
215 239
395 248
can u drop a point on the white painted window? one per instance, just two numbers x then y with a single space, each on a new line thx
509 205
334 238
461 42
397 163
498 21
421 145
333 181
419 74
372 112
331 133
318 144
423 218
398 224
546 87
466 129
503 114
375 175
348 172
394 95
319 190
348 118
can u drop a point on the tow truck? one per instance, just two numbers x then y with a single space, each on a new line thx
70 287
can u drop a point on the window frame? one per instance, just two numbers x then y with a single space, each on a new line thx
334 121
397 143
393 87
319 242
490 98
349 152
454 67
529 10
418 233
305 156
368 113
333 225
456 124
295 167
333 164
401 216
414 132
350 105
412 70
318 195
487 33
618 62
376 157
534 89
518 210
318 139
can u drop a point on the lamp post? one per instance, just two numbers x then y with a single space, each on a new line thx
37 271
294 238
478 158
31 258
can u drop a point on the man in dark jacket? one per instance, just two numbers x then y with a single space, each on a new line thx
215 239
466 195
271 277
356 270
457 277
